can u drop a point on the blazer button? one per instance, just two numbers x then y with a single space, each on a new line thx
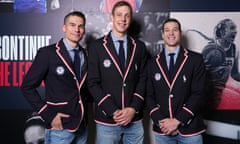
124 85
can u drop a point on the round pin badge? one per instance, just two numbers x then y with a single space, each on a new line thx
106 63
157 76
60 70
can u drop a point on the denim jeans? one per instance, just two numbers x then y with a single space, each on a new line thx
178 139
66 137
131 134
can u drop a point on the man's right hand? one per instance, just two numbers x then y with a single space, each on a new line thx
57 121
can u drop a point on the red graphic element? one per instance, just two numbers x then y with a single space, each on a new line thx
230 98
11 73
108 5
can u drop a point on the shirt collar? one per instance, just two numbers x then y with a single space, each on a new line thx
115 39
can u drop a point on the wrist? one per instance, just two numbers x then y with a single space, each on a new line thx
177 121
132 109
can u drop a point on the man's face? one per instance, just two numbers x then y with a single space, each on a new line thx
171 35
230 32
121 19
74 29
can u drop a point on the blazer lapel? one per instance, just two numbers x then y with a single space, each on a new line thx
161 61
110 48
63 54
65 57
84 67
181 59
131 50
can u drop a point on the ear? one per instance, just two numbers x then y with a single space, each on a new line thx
64 28
111 17
162 32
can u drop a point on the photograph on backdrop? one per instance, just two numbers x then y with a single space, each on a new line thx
104 6
219 43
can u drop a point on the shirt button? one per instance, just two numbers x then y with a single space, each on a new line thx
124 85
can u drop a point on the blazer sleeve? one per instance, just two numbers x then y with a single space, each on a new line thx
196 99
33 79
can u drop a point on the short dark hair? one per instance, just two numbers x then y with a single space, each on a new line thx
75 13
122 3
171 20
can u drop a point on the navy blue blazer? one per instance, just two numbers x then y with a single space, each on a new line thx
63 92
181 97
112 88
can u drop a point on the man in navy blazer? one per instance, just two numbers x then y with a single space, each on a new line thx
118 88
175 102
64 107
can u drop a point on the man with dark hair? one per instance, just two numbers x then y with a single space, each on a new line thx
116 80
62 67
176 90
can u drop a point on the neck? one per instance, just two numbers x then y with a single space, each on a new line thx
171 49
72 43
119 35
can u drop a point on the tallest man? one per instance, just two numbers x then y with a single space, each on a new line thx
116 80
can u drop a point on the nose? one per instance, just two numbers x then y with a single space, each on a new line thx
123 18
171 32
77 28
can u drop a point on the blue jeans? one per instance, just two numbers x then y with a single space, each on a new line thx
132 134
66 137
178 139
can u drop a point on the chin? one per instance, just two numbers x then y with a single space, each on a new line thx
173 45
